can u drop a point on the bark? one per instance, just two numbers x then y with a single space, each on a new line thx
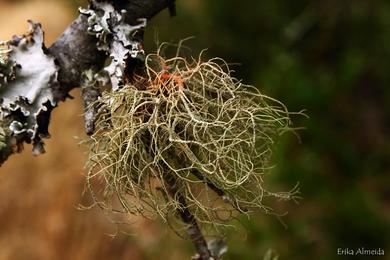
75 50
188 218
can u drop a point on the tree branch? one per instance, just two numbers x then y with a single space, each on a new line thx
188 218
75 51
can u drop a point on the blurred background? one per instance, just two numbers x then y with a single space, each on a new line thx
329 57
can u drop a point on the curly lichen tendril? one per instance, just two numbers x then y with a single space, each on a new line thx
194 121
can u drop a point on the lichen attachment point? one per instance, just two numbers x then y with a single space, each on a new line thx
191 122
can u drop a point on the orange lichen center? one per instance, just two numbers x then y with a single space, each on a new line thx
167 82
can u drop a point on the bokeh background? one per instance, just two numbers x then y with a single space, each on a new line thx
329 57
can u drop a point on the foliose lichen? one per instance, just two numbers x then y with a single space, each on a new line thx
116 37
27 75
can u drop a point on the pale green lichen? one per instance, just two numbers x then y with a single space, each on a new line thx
192 120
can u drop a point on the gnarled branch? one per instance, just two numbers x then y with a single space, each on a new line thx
75 51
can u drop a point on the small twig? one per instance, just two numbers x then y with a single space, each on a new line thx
226 198
185 214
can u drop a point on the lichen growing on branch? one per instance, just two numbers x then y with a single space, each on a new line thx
191 121
27 76
117 38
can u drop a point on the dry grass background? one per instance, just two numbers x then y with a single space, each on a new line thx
39 218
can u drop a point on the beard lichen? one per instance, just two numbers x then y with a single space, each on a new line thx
191 122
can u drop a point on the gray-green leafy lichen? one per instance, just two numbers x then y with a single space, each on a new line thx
27 75
117 38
